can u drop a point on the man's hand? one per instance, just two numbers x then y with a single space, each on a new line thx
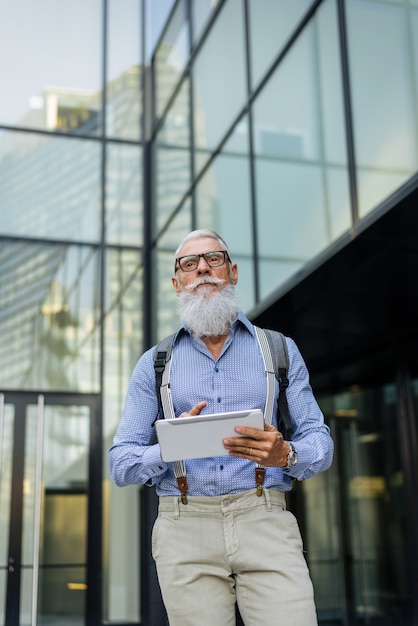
266 447
195 410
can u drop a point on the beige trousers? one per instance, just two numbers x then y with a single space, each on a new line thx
242 548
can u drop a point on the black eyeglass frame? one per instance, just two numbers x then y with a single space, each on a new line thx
198 256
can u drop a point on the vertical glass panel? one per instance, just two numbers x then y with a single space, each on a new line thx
223 200
123 329
172 157
124 69
301 172
323 543
124 195
166 300
370 581
413 21
6 457
49 187
63 526
49 317
156 16
52 76
201 11
382 86
219 95
171 57
271 24
123 347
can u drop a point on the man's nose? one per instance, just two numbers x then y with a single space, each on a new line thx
202 266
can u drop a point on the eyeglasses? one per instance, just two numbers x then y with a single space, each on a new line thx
213 259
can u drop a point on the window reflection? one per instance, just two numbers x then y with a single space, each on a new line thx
50 187
271 24
383 79
357 529
219 95
223 200
201 11
166 299
301 174
49 317
171 57
124 69
172 157
124 195
57 88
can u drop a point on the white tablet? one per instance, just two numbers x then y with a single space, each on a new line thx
200 436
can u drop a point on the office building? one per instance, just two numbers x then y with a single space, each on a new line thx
288 126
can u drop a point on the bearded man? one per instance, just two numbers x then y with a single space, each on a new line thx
224 544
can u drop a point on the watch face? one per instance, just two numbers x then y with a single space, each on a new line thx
292 459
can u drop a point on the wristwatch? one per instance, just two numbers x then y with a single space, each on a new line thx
292 457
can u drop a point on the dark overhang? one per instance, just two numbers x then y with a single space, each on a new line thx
354 311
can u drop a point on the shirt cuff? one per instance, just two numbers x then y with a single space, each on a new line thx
304 453
152 461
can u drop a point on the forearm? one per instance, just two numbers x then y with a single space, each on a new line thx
135 465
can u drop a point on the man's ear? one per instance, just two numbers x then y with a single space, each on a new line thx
176 285
234 273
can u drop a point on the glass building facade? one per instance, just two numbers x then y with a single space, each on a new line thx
291 128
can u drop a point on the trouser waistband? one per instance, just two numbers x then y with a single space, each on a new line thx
222 504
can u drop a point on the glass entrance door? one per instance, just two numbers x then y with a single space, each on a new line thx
355 517
44 508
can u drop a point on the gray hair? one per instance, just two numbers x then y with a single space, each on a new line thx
203 232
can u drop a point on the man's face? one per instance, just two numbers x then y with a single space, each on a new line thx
226 272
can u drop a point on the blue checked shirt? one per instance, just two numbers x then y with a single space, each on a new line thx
236 381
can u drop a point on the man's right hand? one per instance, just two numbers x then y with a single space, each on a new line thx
195 410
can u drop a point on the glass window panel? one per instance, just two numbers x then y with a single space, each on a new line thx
49 187
201 11
63 523
124 69
171 57
223 200
172 157
49 317
292 225
53 77
6 459
156 16
123 347
123 328
124 195
414 26
219 95
271 24
301 174
368 485
166 300
382 85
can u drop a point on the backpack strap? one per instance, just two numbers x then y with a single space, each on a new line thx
278 348
276 364
162 366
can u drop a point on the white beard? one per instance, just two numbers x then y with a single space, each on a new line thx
208 313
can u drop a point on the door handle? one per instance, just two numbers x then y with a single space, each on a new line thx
11 563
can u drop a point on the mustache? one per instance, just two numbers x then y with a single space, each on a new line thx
204 281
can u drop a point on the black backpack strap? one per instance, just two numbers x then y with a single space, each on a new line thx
162 355
278 347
